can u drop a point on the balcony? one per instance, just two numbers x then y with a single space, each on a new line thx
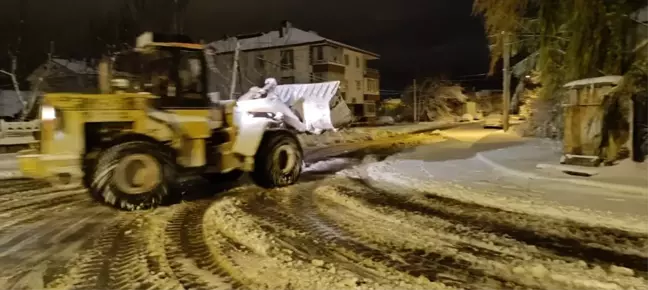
324 61
371 73
322 66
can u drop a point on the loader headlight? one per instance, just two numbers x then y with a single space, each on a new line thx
52 115
48 113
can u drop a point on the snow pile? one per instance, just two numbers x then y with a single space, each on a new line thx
361 134
330 165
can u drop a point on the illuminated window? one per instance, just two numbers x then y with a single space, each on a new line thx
287 59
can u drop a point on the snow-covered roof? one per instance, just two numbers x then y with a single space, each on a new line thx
272 39
606 80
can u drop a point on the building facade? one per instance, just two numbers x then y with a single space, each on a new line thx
292 55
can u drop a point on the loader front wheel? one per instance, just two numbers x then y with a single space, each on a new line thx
278 162
133 175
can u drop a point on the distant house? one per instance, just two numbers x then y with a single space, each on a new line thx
62 75
292 55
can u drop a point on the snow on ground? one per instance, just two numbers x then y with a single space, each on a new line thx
360 134
406 230
399 223
330 165
468 180
267 265
527 156
8 166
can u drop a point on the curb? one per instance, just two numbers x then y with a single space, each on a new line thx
636 190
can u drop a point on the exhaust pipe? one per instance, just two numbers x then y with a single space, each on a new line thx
105 75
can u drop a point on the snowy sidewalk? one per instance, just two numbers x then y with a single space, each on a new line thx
539 159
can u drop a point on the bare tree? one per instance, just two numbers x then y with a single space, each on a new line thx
435 97
28 106
13 55
12 75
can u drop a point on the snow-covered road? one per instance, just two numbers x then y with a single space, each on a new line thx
403 221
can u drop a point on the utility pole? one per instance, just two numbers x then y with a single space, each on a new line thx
506 96
415 102
235 69
176 16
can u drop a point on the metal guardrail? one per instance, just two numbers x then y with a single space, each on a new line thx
15 136
9 129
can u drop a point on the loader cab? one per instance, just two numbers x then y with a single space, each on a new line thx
174 71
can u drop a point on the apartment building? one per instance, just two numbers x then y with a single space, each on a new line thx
292 55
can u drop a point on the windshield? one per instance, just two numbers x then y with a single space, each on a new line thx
166 72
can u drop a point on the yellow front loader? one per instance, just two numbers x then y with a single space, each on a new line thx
153 123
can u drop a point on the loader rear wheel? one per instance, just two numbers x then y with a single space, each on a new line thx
278 162
133 175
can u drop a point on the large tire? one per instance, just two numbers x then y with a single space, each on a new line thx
113 176
278 162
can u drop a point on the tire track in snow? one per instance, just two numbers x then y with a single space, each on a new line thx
52 246
333 241
335 206
275 219
559 237
113 262
18 185
43 199
188 254
434 264
132 267
26 216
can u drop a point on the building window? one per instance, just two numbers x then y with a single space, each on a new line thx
359 85
287 80
372 85
287 59
346 59
316 54
357 62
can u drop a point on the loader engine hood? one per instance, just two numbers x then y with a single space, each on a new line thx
305 107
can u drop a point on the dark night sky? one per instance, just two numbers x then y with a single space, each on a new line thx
415 38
